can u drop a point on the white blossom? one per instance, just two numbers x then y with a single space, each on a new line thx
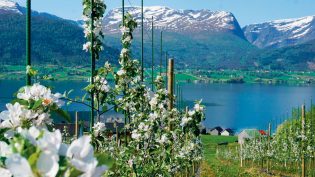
18 166
87 46
121 72
98 128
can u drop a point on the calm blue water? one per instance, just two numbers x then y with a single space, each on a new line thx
229 105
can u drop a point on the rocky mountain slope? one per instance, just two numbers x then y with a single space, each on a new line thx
281 33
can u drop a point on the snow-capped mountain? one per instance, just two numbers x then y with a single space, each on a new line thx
9 6
182 21
281 33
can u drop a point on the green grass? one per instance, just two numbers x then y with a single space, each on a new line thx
81 73
214 167
105 159
61 73
265 77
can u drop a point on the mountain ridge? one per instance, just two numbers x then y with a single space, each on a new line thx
281 33
173 20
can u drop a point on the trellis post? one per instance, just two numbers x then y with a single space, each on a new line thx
123 11
142 43
76 125
161 53
303 148
170 84
152 64
28 40
312 132
269 138
126 113
92 66
166 58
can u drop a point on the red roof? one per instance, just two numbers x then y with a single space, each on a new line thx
262 132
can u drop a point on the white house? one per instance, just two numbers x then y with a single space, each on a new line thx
216 131
227 132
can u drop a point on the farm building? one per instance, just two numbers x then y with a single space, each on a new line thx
262 132
227 132
247 134
216 131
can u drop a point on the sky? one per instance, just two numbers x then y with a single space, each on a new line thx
246 11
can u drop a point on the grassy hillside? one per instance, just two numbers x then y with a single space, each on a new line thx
299 57
54 41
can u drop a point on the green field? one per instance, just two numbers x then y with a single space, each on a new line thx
60 73
81 73
259 76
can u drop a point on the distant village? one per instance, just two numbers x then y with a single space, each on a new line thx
242 136
114 123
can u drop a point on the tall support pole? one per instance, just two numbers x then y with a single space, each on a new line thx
312 132
303 148
28 39
152 65
161 51
177 95
181 97
126 113
123 11
166 60
269 139
241 155
142 43
92 66
170 84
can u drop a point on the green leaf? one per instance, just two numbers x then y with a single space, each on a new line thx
22 102
83 98
69 92
33 158
74 172
37 104
63 114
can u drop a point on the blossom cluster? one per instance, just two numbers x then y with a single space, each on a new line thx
39 152
32 107
29 145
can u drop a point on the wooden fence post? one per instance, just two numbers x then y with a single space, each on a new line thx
170 75
170 84
303 134
76 125
241 155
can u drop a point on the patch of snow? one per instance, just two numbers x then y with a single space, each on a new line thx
9 5
296 36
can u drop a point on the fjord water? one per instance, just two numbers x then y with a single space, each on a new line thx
234 106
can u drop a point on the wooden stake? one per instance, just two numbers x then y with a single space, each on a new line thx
241 155
303 134
76 125
170 84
